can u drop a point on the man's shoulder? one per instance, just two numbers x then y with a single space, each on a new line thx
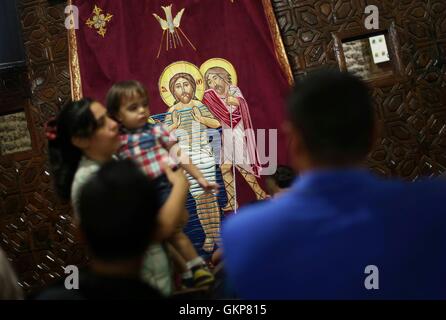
428 193
432 184
253 229
381 195
422 190
252 219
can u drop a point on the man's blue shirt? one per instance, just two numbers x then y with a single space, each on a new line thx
316 240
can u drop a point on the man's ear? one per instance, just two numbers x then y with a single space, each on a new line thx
294 136
81 143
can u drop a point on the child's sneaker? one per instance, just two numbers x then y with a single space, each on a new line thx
203 277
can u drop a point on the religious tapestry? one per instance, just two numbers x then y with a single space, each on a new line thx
217 75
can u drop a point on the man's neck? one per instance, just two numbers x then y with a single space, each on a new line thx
309 166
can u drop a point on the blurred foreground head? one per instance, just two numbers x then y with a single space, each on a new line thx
331 120
118 208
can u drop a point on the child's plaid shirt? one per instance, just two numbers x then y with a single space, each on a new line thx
148 147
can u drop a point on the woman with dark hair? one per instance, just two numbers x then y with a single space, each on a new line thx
63 155
82 138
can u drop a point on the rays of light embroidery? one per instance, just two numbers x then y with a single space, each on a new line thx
171 26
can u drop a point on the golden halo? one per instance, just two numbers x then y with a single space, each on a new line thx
220 62
173 69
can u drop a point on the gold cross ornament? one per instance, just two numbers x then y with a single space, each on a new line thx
99 21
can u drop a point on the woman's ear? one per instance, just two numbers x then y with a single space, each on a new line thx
81 143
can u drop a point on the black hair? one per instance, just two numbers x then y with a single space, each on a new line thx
333 112
74 120
118 210
283 177
123 89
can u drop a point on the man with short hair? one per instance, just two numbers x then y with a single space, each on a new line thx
118 208
339 232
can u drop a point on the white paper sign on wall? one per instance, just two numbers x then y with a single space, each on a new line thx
379 49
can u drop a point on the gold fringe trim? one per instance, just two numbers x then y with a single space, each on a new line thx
73 61
278 43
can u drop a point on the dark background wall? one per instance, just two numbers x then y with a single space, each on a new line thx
35 227
411 111
11 34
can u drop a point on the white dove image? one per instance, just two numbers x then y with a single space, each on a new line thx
171 25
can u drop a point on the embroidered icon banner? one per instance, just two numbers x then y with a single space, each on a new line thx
220 63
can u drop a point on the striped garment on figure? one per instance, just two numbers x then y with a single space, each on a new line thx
194 140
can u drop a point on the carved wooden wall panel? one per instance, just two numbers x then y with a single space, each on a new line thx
411 110
35 227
